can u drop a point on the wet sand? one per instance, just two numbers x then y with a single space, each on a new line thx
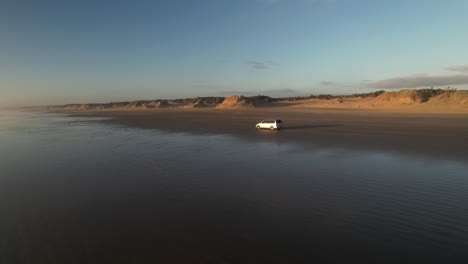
76 190
440 136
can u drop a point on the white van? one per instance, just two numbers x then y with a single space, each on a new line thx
271 124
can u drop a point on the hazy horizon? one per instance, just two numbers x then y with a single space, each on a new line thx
60 52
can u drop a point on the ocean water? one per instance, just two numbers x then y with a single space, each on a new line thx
80 190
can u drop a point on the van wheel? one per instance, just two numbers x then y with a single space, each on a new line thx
258 127
272 128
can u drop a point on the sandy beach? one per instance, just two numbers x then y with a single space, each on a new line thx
439 136
428 122
207 187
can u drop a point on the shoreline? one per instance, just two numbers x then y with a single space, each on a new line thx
440 136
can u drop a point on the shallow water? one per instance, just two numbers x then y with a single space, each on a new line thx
79 190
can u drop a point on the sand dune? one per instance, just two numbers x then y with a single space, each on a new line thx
431 100
199 103
404 97
409 100
456 100
237 102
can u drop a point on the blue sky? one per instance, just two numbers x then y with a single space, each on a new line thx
54 52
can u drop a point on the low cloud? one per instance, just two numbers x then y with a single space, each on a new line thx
208 86
273 92
327 83
230 93
285 90
462 68
420 80
258 65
